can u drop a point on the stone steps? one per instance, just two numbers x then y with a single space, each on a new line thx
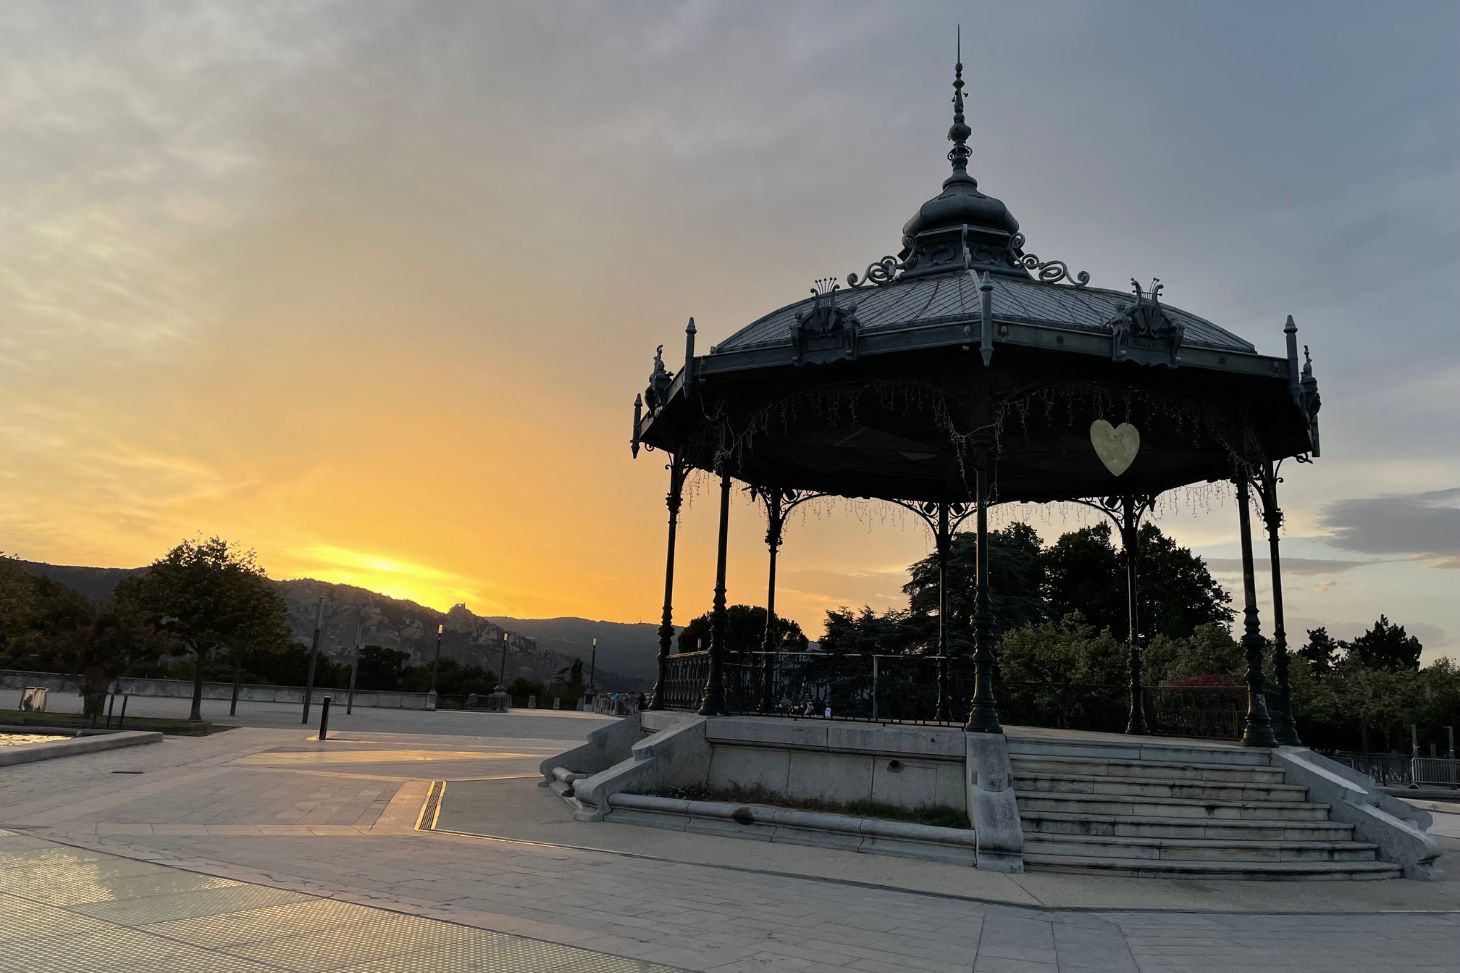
1170 807
1176 809
1252 870
1129 826
1139 749
1159 769
1197 849
1147 786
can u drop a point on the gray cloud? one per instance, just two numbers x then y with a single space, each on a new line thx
1294 565
1422 525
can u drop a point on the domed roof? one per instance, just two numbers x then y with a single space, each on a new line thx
911 303
961 204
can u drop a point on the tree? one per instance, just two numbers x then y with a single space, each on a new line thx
867 632
1321 652
1016 561
110 639
744 632
17 602
1386 646
1176 593
381 668
211 594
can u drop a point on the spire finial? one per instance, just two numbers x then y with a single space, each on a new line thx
958 134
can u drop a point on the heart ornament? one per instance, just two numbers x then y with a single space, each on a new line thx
1115 445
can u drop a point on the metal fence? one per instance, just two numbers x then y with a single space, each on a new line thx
1435 771
904 688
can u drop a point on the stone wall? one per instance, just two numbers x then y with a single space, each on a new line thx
829 761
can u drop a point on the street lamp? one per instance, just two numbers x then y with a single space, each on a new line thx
436 661
593 666
502 677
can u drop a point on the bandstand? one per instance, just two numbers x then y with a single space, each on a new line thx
961 373
967 371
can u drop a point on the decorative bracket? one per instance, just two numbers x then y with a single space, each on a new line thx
1046 271
881 272
825 319
1144 332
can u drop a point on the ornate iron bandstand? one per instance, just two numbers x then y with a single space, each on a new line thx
966 372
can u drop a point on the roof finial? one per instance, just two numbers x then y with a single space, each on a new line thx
959 133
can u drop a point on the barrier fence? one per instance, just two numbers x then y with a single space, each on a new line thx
904 689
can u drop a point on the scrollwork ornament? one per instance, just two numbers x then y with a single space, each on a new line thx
880 272
1046 271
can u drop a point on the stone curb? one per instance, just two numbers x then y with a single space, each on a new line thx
817 828
77 745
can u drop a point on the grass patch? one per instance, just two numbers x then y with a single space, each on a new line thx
937 815
75 721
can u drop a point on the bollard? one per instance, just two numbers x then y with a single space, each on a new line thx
324 718
122 719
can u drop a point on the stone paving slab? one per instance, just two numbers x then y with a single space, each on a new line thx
703 903
97 914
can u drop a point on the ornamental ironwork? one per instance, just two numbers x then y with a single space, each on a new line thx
1144 332
1046 271
824 319
880 272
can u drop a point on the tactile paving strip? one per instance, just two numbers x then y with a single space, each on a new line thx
146 918
269 922
186 905
501 953
357 942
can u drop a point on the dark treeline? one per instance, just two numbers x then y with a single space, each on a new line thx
205 611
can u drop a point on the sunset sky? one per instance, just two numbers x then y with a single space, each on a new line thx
370 286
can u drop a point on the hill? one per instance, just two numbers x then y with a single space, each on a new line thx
627 647
623 661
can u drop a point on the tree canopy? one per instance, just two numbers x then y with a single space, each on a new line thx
212 595
1081 574
744 632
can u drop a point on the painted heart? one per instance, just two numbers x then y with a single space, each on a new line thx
1115 445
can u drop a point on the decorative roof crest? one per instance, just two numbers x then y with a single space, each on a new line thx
959 132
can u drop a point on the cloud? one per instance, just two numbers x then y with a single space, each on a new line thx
1293 565
1327 584
1420 525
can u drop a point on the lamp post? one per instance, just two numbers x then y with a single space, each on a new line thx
593 665
502 678
436 661
313 657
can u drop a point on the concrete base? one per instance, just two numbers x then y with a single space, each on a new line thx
1395 826
991 803
76 745
789 826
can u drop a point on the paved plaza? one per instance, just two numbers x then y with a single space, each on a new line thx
261 848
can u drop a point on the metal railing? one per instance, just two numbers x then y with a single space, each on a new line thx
1437 771
889 688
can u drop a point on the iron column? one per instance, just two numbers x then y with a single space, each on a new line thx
1257 731
714 699
983 715
775 521
1283 725
1130 543
666 622
943 541
313 655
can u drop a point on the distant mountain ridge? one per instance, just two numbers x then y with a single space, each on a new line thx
628 647
537 648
